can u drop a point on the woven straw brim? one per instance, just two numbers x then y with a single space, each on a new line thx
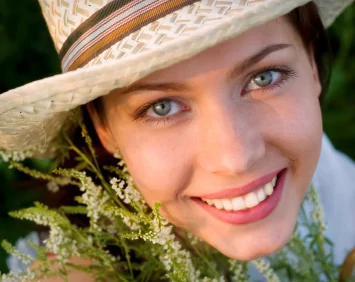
32 116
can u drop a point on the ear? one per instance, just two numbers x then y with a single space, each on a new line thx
102 130
315 73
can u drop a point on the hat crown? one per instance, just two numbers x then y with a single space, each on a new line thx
83 30
64 16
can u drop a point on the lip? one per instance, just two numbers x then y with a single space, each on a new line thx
254 214
242 190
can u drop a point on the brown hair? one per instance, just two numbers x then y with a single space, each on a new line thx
308 24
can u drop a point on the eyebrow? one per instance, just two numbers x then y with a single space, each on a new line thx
254 59
179 87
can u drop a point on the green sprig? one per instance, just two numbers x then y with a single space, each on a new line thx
146 246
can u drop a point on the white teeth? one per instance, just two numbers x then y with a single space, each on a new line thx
273 181
268 189
244 202
238 204
261 195
227 204
217 204
208 201
251 200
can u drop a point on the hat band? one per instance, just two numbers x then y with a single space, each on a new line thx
110 24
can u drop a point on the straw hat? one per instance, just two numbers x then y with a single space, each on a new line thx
107 44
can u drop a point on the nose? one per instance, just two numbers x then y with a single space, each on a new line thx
231 141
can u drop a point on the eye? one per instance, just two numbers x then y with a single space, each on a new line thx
163 108
263 79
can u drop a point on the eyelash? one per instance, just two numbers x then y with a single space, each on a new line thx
141 113
285 75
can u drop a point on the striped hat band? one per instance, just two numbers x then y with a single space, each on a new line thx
110 24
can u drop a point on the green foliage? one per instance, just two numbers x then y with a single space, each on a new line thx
27 54
26 50
339 105
14 196
148 247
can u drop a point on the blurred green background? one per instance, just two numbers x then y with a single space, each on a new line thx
27 54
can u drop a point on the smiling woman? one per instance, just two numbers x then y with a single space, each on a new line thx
239 113
222 129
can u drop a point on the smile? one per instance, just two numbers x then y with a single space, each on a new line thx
259 199
250 200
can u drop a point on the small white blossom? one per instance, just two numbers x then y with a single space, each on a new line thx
52 186
318 211
194 240
117 155
94 197
265 269
19 156
127 192
237 268
130 223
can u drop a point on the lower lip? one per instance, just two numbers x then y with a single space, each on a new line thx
254 214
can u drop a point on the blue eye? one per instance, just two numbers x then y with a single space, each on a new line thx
263 79
163 108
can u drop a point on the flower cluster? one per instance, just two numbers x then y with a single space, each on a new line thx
13 277
264 267
19 156
15 156
318 213
238 270
126 240
26 259
176 260
59 241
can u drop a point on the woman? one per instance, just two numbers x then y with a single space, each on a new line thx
213 105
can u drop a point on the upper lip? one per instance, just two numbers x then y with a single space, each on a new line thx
242 190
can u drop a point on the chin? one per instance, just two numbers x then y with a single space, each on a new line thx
248 253
261 241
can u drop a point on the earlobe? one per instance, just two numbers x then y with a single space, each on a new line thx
102 130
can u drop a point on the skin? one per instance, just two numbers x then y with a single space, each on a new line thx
225 132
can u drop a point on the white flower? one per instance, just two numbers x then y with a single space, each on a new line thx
130 223
127 192
12 277
52 186
238 271
19 156
265 269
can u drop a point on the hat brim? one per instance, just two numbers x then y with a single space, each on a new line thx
32 115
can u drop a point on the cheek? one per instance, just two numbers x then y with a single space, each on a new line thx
159 166
305 123
298 133
293 123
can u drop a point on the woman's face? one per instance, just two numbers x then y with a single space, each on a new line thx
206 137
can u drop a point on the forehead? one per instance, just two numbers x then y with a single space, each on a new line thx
278 31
